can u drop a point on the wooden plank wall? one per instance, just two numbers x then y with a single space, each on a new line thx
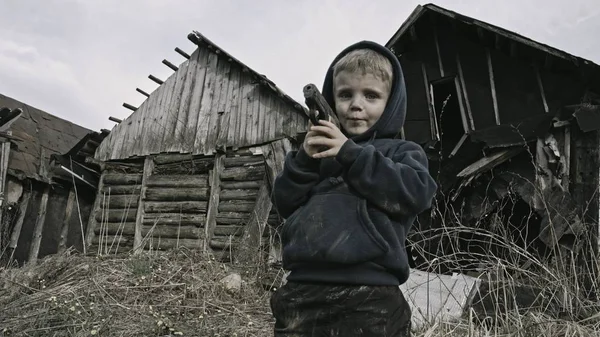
210 103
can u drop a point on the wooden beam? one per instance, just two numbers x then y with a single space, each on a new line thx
142 92
129 106
64 232
182 53
461 105
39 226
115 119
249 252
91 225
541 87
138 244
155 79
170 65
492 85
464 92
213 200
438 53
16 233
432 119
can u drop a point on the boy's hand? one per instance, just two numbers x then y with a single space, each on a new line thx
324 140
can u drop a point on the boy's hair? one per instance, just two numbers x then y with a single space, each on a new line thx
367 61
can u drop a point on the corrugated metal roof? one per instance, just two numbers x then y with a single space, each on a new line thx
38 132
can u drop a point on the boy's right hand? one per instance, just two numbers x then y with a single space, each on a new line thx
311 150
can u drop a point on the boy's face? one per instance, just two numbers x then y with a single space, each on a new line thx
359 100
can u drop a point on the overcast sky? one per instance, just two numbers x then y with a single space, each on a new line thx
81 59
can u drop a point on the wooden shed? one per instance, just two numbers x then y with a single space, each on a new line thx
44 202
510 126
192 165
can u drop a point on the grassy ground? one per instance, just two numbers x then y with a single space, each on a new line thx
181 293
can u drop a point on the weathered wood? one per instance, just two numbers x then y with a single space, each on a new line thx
182 232
170 65
128 106
232 218
155 79
157 121
116 215
117 120
122 179
234 185
91 225
238 194
178 181
178 141
464 92
169 244
171 109
16 232
195 103
111 190
182 53
218 106
243 173
36 238
224 243
492 85
176 194
137 241
116 228
124 201
175 207
174 219
229 230
142 92
236 206
250 250
108 242
206 103
231 107
213 203
243 161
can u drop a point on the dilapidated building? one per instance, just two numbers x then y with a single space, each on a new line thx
192 166
510 126
44 201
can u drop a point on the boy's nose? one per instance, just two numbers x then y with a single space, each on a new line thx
355 103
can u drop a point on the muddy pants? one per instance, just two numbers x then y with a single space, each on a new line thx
315 310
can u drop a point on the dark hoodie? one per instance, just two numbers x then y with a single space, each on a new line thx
347 217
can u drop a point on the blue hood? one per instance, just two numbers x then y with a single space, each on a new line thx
392 119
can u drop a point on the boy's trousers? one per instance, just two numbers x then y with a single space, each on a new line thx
313 309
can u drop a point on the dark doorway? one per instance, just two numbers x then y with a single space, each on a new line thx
451 124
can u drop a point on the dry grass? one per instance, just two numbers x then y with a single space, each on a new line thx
175 293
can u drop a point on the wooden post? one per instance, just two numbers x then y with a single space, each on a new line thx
492 85
139 221
64 232
39 226
249 252
16 233
5 152
213 201
91 225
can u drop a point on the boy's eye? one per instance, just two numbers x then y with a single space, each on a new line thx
344 94
371 95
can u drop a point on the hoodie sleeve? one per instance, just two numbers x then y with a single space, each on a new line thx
400 185
292 186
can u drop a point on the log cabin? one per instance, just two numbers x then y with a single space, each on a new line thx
510 126
44 201
192 166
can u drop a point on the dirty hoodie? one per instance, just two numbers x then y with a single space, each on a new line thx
346 218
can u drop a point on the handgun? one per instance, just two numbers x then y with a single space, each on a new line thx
318 108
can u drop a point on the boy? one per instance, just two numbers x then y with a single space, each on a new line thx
349 197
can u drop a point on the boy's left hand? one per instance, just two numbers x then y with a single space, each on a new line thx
330 137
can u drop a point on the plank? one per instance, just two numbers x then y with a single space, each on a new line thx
153 133
270 118
91 225
170 219
142 122
181 232
235 119
218 106
243 161
248 185
243 173
239 194
231 107
196 99
248 120
116 228
124 201
169 244
213 202
255 115
39 226
206 104
241 123
120 189
172 110
137 240
16 232
251 243
236 206
229 230
122 179
185 102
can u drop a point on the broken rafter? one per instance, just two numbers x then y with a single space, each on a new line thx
142 92
115 119
129 106
182 53
155 79
170 65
